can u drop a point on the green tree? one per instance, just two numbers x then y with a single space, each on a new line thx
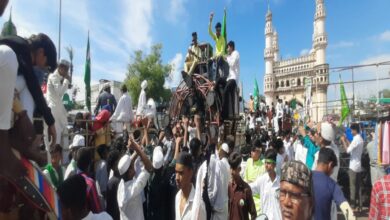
386 93
148 67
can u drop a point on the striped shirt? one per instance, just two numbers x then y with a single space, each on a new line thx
93 202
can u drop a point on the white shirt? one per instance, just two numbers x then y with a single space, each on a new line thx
71 169
124 109
98 216
141 102
279 110
263 107
8 69
55 92
268 190
25 96
129 197
355 149
234 66
276 124
300 152
220 203
187 211
219 177
251 122
289 149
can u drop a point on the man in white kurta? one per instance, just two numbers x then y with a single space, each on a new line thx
123 115
129 197
57 84
267 185
142 99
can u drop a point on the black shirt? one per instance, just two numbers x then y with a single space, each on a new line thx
112 202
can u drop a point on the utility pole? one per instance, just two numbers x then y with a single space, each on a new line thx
59 31
353 93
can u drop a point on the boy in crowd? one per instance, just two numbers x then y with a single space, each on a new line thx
267 185
241 204
73 199
255 168
54 171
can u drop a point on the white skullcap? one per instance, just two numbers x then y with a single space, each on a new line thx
250 94
124 164
158 157
144 84
78 141
327 131
225 147
64 62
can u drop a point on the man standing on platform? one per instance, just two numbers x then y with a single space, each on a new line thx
220 43
57 84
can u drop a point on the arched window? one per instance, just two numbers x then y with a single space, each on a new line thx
282 84
287 83
277 85
299 82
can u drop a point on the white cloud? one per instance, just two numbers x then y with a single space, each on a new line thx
177 11
376 59
364 90
342 44
385 36
137 19
175 77
304 52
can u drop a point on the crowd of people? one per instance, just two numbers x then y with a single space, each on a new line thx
179 172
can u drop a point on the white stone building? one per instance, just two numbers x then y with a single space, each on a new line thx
284 79
95 90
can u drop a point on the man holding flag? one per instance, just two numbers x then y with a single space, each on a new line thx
220 46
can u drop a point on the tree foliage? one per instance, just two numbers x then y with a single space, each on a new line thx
148 67
386 93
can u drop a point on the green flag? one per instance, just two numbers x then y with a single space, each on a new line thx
256 95
344 102
223 31
293 104
87 78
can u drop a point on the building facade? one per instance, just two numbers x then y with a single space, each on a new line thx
284 79
97 88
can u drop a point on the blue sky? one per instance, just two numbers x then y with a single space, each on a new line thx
358 32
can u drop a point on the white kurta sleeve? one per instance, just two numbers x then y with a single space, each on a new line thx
353 145
255 186
140 183
118 109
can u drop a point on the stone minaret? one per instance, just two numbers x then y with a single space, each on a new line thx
321 68
320 38
269 57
